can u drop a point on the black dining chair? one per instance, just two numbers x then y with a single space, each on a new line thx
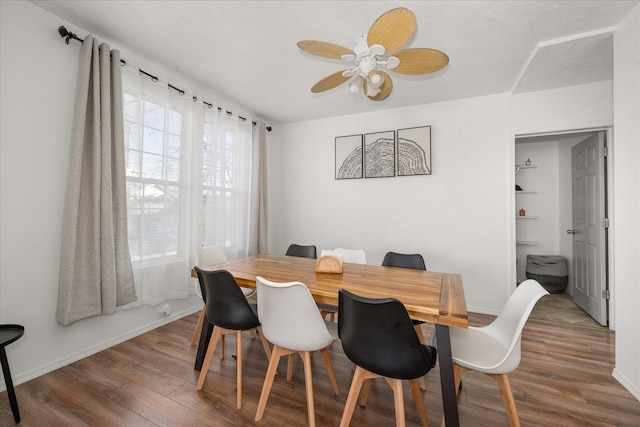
308 251
378 337
414 262
395 259
228 311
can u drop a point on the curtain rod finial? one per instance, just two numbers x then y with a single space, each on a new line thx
66 34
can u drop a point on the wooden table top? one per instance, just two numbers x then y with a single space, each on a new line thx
429 296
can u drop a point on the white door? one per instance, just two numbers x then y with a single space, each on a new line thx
589 240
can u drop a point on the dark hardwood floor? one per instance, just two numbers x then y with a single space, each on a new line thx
564 380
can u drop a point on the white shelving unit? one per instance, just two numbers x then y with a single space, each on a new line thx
519 202
525 242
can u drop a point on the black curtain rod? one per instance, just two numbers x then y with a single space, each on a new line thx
67 35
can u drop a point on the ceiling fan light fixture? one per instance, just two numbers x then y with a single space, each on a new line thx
372 91
367 64
375 80
392 62
356 84
377 49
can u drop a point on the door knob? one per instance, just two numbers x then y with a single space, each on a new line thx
571 231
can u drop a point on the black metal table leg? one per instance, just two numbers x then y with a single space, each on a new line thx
449 400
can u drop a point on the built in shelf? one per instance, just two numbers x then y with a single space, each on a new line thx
525 242
526 217
528 167
526 192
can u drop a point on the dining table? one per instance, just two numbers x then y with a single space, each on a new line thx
433 297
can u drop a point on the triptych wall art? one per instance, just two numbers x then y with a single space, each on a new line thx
381 154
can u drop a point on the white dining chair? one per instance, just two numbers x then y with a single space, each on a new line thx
354 256
292 323
495 349
205 257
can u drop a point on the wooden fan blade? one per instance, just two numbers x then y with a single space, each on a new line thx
329 82
385 88
324 49
393 29
420 61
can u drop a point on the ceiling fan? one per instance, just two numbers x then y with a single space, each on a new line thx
376 52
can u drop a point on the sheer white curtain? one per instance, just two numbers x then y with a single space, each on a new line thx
224 178
190 169
158 134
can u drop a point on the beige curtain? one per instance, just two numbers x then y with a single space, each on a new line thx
258 204
95 265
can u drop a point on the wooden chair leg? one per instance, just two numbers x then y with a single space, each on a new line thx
222 347
398 398
290 367
239 370
308 382
332 375
365 392
217 334
457 376
352 398
276 353
417 397
507 397
196 331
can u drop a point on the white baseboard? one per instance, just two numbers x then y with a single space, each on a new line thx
56 364
634 389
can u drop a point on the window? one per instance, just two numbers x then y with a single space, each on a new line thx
153 146
188 174
225 184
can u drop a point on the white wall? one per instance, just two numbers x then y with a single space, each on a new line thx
626 195
454 217
38 73
460 218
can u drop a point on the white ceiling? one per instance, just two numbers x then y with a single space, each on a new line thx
245 51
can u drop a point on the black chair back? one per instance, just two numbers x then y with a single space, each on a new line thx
394 259
302 251
226 305
377 335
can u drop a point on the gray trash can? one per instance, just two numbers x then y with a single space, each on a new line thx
549 270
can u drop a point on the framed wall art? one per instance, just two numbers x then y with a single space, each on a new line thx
414 151
379 154
349 157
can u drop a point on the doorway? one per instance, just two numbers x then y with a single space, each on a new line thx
546 216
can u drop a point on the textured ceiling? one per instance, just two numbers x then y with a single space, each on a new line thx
245 51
